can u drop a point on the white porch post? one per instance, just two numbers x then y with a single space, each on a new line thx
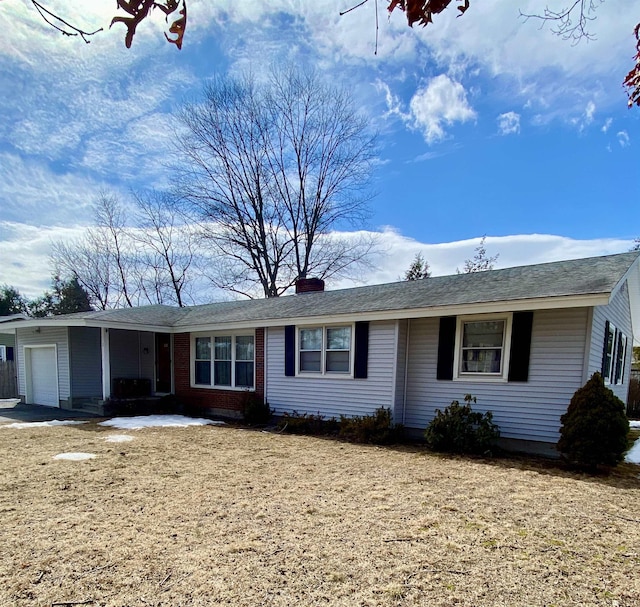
106 366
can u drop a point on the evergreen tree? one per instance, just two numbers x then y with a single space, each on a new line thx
418 269
11 302
71 297
66 297
595 427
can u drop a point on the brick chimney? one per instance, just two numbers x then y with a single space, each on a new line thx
309 285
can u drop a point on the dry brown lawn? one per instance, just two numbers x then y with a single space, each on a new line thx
224 516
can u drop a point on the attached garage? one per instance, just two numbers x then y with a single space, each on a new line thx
41 363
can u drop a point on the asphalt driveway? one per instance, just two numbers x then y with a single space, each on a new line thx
12 411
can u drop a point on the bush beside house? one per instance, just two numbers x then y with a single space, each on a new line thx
595 427
459 429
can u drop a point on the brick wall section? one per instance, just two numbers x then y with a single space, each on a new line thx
309 285
227 403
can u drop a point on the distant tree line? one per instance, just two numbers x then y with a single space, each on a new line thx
65 297
480 262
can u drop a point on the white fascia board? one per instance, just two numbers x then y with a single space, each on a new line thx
128 326
548 303
83 322
48 322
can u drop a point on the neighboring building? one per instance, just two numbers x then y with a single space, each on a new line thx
8 338
522 340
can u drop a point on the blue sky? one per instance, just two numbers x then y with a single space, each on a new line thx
488 124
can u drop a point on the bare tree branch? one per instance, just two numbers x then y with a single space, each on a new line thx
570 23
274 170
68 29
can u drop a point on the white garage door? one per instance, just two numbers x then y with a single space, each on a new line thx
44 377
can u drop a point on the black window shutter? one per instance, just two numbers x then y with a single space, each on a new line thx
290 350
520 346
9 353
446 347
361 352
604 349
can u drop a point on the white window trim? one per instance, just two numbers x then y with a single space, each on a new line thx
501 377
212 336
323 352
3 353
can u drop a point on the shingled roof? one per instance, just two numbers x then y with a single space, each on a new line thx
557 281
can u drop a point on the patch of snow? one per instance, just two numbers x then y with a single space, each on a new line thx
54 422
9 401
633 455
118 438
157 421
634 423
75 457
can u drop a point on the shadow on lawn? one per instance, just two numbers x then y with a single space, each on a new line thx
623 476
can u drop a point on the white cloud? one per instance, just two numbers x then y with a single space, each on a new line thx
394 104
440 103
27 250
509 123
623 139
589 111
607 125
33 193
519 249
586 118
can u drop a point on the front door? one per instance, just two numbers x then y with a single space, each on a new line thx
163 362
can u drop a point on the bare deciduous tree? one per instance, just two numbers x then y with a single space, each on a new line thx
111 222
88 258
276 169
480 261
128 258
165 249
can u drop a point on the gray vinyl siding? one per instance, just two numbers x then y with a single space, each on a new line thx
523 410
45 336
401 362
329 396
7 339
131 354
617 312
85 355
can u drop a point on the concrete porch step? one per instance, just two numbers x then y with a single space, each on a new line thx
95 406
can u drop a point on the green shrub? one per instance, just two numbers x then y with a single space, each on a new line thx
308 423
377 428
595 427
255 411
459 429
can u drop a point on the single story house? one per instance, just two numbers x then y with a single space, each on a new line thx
522 340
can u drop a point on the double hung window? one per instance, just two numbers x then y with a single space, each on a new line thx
482 347
325 350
